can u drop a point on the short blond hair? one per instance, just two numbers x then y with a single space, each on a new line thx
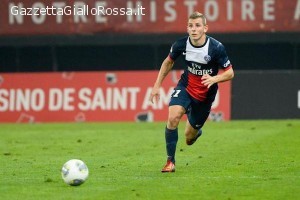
197 15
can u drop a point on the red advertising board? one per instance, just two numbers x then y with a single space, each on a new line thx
92 96
35 17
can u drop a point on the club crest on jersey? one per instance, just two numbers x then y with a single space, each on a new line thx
207 58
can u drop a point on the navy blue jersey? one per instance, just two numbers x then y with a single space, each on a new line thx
200 60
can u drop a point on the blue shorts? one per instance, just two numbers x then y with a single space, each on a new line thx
197 112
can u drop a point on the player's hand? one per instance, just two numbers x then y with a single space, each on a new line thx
208 80
154 95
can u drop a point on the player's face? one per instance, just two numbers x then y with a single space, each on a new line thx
196 29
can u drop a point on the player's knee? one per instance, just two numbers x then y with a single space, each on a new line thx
189 134
173 121
190 131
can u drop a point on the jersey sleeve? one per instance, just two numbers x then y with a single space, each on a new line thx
223 60
176 50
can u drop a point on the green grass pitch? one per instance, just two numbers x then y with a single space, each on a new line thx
232 160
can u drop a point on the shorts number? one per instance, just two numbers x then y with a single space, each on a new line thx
175 93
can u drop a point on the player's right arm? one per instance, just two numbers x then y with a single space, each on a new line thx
165 68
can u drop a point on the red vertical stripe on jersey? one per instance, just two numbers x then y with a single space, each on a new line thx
195 88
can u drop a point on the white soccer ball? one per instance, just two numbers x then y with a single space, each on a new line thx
74 172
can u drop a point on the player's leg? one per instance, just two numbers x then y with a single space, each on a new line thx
177 108
175 114
191 134
197 116
171 135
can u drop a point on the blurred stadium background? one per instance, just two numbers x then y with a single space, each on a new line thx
262 39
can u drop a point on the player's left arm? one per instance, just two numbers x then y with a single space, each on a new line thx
227 75
224 62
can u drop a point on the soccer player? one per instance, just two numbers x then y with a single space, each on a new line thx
198 85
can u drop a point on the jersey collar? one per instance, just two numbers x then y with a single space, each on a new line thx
206 39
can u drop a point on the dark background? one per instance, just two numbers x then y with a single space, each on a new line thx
252 51
265 94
